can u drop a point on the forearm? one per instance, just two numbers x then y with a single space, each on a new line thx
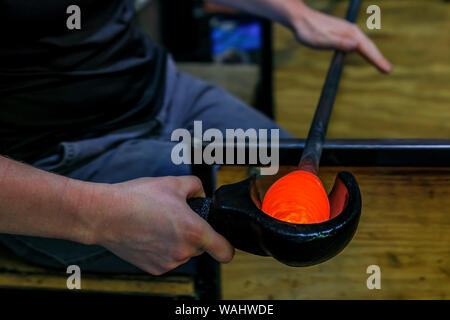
282 11
145 221
38 203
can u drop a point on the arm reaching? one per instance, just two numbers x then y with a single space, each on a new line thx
146 222
313 28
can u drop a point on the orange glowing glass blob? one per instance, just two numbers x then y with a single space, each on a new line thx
298 197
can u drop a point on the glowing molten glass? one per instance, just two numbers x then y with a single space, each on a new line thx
298 197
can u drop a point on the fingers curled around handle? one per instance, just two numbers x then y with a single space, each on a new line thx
213 243
210 241
190 186
218 247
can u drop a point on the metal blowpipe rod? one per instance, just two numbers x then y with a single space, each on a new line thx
314 143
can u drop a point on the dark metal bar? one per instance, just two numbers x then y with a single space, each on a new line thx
314 143
356 152
378 152
264 98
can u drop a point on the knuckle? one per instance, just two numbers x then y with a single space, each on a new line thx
194 238
190 183
173 181
196 180
181 254
173 185
341 44
193 234
354 30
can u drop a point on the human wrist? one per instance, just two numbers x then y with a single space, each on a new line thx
295 15
91 204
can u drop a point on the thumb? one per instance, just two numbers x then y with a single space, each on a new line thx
218 247
211 241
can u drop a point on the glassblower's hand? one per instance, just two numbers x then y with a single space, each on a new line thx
149 224
321 31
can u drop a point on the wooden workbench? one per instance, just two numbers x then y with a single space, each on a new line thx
404 229
405 224
412 102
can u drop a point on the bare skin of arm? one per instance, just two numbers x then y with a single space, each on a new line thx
313 28
146 222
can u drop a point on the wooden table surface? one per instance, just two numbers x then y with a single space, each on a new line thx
405 223
412 102
404 229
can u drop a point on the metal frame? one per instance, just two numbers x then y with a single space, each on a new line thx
360 152
265 101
